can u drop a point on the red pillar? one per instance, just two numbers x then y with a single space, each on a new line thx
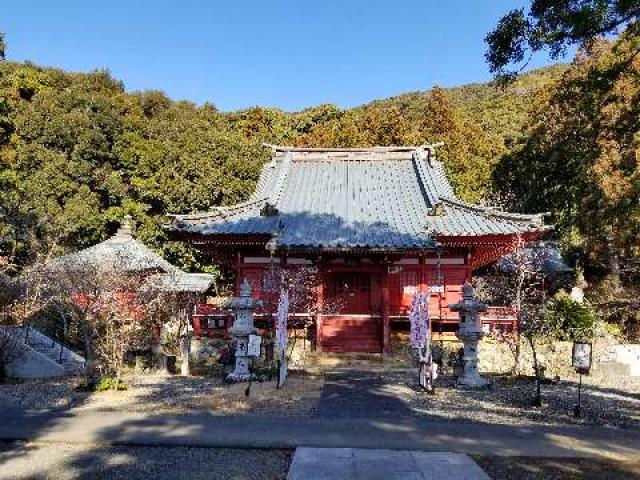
197 327
422 278
319 307
385 310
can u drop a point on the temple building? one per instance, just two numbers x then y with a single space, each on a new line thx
123 253
378 224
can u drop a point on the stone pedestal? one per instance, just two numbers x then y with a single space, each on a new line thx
243 307
470 333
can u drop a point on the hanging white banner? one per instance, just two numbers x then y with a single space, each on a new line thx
419 318
281 339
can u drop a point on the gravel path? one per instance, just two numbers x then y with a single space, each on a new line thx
362 393
174 395
64 462
509 402
386 392
357 392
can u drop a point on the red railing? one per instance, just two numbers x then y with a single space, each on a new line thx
211 319
503 318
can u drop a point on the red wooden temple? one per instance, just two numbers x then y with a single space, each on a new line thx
377 223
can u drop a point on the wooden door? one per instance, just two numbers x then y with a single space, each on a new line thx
352 292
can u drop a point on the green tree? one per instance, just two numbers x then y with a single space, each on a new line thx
554 25
580 156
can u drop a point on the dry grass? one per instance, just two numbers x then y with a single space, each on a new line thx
174 394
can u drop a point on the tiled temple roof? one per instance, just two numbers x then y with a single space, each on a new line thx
123 252
378 198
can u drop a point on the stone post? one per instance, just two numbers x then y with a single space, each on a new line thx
243 307
185 352
470 332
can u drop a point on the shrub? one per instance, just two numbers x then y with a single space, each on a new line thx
105 384
574 320
109 383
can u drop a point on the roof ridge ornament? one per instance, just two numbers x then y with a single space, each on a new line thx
406 148
269 210
276 193
427 152
125 229
438 209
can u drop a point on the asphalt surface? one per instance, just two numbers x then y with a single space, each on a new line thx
406 433
361 394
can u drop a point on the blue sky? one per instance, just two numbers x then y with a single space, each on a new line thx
284 53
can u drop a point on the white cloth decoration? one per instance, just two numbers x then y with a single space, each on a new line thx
281 339
577 295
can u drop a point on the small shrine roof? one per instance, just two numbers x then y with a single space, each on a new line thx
123 252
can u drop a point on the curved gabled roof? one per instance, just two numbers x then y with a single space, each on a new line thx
379 197
122 252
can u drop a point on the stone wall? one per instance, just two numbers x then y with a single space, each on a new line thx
496 356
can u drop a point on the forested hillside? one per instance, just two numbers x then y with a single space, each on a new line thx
503 111
579 156
77 151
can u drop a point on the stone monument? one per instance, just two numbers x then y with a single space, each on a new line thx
243 307
470 332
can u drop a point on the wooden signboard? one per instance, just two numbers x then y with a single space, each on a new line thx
581 357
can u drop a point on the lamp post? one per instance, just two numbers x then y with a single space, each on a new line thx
470 332
243 307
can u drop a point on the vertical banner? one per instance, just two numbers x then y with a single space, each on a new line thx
419 318
421 339
282 340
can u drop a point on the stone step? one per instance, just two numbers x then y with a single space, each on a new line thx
350 463
42 357
41 348
71 366
336 359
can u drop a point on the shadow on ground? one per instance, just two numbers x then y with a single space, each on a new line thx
528 468
26 461
357 409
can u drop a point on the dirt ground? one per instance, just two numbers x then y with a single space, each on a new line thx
533 468
35 461
175 394
358 391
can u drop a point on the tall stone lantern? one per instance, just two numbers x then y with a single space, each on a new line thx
470 332
243 307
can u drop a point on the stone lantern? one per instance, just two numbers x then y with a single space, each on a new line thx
470 332
243 307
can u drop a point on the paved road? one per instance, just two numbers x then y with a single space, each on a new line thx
361 393
406 433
